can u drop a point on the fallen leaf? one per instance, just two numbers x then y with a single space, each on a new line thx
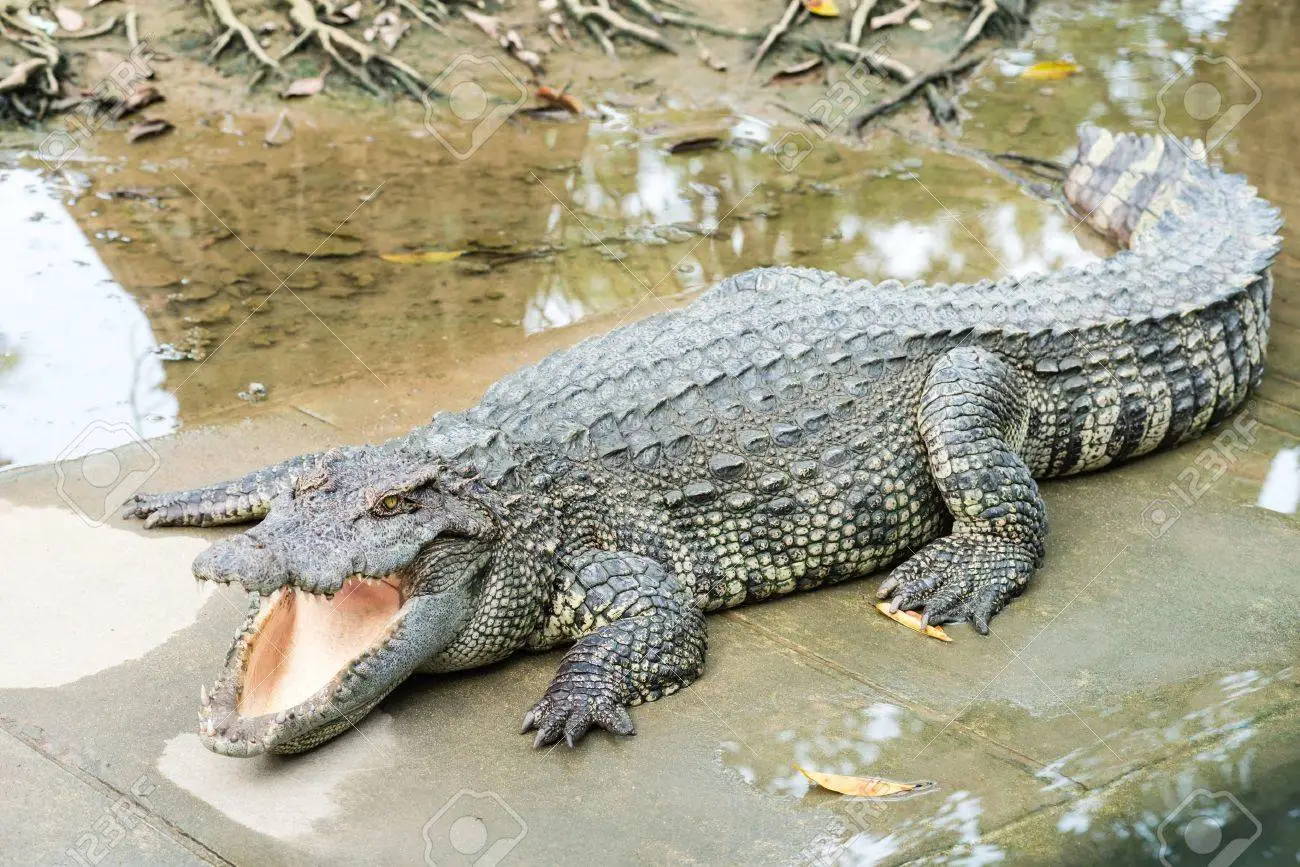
148 128
912 621
824 8
91 4
559 99
1050 70
144 95
424 257
798 70
304 87
863 787
690 145
69 20
923 25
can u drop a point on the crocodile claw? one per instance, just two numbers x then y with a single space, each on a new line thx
959 578
572 714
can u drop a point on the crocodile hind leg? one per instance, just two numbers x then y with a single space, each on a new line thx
235 502
973 419
642 638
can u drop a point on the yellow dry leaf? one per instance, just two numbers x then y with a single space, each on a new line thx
1050 70
863 787
424 257
912 621
824 8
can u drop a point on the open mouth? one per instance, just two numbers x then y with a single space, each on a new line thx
295 663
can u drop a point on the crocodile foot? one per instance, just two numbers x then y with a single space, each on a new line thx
967 577
569 710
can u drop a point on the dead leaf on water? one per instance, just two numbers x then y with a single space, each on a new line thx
1050 70
864 787
559 99
148 128
69 20
423 257
824 8
691 145
912 621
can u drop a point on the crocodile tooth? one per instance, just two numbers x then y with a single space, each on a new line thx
203 695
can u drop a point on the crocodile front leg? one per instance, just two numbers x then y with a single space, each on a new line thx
234 502
642 637
973 419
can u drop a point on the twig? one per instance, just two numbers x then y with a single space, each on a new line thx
774 34
132 27
859 22
1054 166
910 89
985 159
881 64
898 16
987 8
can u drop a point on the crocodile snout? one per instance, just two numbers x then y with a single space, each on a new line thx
242 560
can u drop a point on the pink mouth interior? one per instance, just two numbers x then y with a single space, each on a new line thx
306 640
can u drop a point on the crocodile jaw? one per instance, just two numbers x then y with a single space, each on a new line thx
305 666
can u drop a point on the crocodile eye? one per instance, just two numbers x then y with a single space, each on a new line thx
392 504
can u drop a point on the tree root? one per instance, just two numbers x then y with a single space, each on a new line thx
334 41
987 8
859 22
227 18
779 29
36 78
602 14
909 90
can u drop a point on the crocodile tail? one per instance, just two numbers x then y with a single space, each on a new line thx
1142 190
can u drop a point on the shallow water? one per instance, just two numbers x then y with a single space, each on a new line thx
186 269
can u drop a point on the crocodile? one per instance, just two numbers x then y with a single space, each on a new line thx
790 429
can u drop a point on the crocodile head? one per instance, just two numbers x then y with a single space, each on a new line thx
372 566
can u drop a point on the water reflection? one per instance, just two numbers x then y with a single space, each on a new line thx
77 349
1281 489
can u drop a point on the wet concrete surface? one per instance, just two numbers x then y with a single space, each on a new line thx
1149 672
